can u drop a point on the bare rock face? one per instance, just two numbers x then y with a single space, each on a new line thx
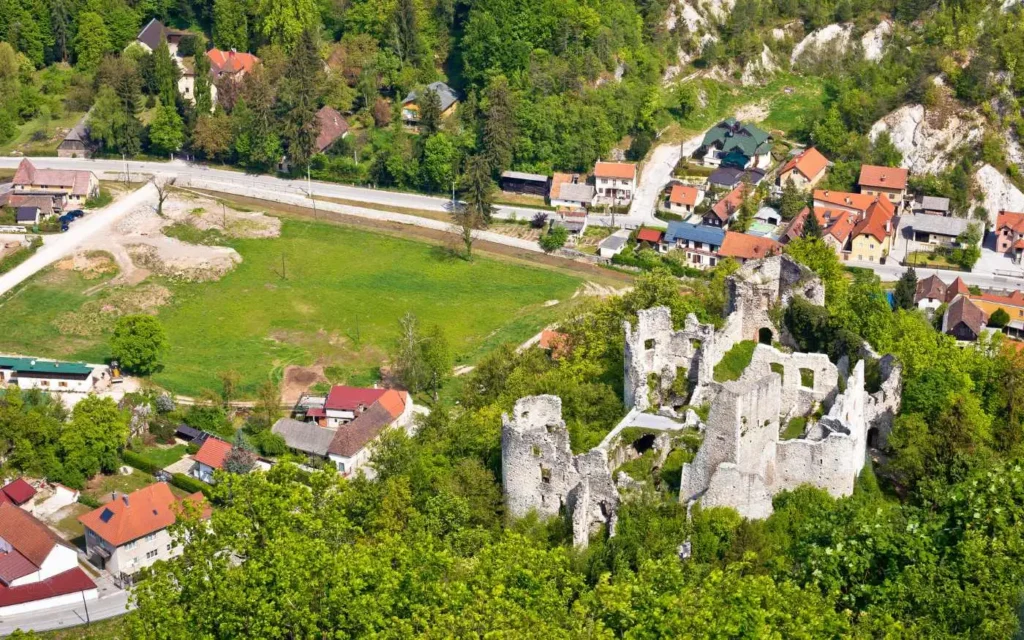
760 69
999 193
928 139
874 41
828 38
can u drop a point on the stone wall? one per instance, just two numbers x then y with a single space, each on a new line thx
796 398
539 472
760 287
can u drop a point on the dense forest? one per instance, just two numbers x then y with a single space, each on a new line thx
544 84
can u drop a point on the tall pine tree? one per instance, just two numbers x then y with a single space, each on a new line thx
500 125
297 103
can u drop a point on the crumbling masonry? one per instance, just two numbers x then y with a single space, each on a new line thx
742 462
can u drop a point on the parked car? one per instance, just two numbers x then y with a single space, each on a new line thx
76 214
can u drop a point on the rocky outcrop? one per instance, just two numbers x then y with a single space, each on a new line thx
874 41
998 193
834 37
759 69
928 139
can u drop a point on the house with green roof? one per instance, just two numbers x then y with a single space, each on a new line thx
730 143
50 375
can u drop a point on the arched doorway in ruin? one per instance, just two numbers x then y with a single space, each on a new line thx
764 335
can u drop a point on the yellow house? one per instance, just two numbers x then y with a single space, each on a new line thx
804 170
872 237
411 109
1012 304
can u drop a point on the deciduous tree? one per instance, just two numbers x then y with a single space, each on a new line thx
138 343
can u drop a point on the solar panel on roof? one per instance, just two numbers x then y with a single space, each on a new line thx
106 515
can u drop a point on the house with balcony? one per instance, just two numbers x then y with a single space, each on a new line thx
615 182
700 243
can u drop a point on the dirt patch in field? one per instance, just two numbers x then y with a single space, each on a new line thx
298 380
753 112
91 264
516 230
207 213
97 316
179 260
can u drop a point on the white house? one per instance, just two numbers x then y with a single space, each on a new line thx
210 458
568 192
683 199
130 532
51 375
38 569
615 182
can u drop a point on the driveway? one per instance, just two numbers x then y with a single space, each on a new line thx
656 174
61 245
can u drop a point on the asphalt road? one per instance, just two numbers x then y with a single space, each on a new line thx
655 176
57 246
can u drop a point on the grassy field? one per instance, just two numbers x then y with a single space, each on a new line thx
39 138
319 294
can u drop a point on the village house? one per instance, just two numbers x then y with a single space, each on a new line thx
230 63
743 247
533 184
570 191
930 205
683 199
805 170
411 108
769 216
648 238
935 231
1012 304
332 127
149 39
730 177
17 492
613 244
723 211
1009 234
38 569
572 220
615 182
932 292
54 376
130 533
857 226
731 143
964 320
700 243
73 187
210 458
354 418
76 143
889 182
872 235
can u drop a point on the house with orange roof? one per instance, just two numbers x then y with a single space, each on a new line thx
887 182
210 458
1013 304
649 238
615 182
805 170
230 63
1009 233
836 228
683 199
129 532
856 203
743 247
872 235
355 418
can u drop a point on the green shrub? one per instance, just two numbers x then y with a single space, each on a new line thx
21 255
999 318
133 459
89 501
190 484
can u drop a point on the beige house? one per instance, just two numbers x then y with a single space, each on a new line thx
804 170
615 182
130 533
74 186
889 182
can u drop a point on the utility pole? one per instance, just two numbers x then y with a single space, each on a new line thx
127 171
88 621
309 185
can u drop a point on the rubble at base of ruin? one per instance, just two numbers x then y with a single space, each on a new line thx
742 462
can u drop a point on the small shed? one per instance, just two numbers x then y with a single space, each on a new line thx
532 184
27 215
613 244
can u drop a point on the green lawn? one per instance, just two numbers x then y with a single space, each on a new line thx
101 487
163 456
735 361
320 293
50 135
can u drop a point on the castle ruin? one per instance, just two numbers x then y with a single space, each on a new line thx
743 460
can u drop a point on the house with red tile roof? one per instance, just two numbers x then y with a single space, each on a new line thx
1009 233
38 569
743 247
932 292
333 127
887 182
230 63
17 492
805 170
129 532
650 238
614 182
1013 304
856 225
872 236
836 227
210 458
356 417
682 199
